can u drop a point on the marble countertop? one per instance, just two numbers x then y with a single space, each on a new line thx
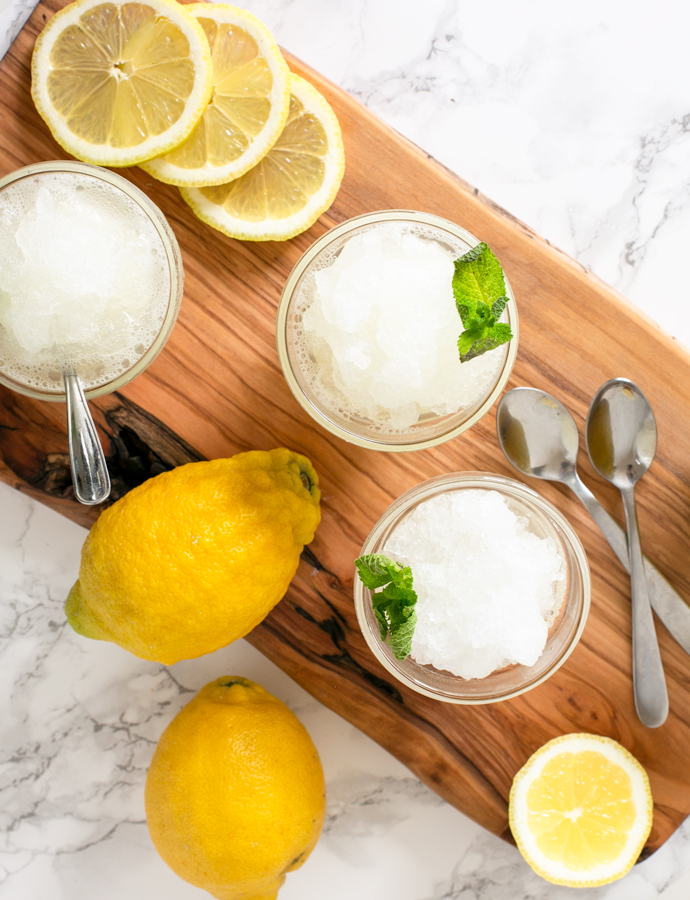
576 119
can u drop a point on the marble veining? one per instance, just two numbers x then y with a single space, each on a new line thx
13 15
577 120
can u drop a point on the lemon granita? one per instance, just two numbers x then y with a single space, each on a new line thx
85 281
378 332
488 589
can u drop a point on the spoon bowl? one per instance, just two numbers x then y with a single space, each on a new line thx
537 434
621 433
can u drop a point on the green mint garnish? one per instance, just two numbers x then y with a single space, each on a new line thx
394 605
480 296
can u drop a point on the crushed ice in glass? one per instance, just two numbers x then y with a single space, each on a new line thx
488 588
380 330
84 279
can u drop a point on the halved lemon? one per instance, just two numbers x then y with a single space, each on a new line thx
117 82
248 108
581 810
291 186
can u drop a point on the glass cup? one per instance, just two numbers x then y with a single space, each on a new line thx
172 254
431 429
545 521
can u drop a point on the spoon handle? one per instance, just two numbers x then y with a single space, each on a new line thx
666 602
87 461
649 684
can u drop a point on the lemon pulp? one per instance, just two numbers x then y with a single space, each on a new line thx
581 810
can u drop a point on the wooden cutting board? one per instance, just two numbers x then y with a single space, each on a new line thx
217 389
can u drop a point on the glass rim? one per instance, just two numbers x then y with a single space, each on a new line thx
291 284
173 256
482 481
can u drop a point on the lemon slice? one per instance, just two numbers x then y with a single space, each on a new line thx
581 810
291 186
118 83
248 107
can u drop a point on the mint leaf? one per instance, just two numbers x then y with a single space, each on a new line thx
498 307
369 574
382 622
469 338
394 605
480 297
477 281
401 639
492 338
376 570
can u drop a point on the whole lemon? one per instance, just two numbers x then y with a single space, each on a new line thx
194 558
235 792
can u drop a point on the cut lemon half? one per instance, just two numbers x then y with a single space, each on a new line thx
291 186
581 810
118 83
248 108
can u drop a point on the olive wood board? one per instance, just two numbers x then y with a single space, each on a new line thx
217 389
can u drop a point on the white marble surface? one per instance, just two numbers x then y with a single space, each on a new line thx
574 117
13 14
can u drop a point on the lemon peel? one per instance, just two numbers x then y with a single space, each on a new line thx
196 557
235 794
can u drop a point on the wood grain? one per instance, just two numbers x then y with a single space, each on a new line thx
217 389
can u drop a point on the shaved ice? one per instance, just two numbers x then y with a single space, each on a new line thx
488 588
379 330
84 280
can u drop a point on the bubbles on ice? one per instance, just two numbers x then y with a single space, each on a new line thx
84 279
381 329
488 588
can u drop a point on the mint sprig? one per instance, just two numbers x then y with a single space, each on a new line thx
480 297
394 605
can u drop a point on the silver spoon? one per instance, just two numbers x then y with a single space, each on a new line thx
621 442
86 458
539 437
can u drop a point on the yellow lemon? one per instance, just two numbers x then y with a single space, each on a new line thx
235 792
581 810
248 107
194 558
119 82
286 192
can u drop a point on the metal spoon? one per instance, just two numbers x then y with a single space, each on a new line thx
86 458
539 437
621 442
